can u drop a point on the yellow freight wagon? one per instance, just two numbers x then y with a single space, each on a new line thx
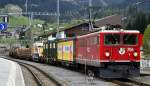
65 50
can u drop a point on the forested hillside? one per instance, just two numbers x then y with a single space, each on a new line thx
77 9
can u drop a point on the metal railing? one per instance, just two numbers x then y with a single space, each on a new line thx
144 63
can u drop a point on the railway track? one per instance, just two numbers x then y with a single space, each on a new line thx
76 80
144 74
38 81
127 82
119 82
40 77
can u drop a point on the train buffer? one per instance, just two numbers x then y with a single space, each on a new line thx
10 74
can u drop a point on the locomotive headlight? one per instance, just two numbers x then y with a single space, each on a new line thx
107 54
135 54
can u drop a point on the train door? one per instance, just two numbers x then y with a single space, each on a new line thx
84 49
93 49
81 47
89 50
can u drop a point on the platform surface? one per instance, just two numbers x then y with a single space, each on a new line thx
10 73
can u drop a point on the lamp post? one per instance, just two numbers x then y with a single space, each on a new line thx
58 14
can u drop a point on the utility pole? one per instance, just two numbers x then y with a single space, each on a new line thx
30 26
58 14
26 4
31 19
90 16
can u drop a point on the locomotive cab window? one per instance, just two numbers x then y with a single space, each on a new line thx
112 39
130 39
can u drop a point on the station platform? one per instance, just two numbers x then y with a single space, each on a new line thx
10 73
145 72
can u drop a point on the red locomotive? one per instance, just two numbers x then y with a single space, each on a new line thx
110 53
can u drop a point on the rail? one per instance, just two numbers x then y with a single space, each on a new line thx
38 80
144 63
128 82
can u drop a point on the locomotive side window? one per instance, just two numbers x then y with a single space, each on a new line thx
112 39
54 45
93 40
130 39
46 45
50 45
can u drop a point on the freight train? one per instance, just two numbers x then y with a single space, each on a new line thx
106 53
21 53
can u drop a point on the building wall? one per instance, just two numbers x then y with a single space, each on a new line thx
77 31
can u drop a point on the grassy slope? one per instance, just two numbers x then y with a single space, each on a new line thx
15 21
146 40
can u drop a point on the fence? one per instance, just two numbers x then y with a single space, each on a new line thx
145 63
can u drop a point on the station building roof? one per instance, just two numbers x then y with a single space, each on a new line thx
83 28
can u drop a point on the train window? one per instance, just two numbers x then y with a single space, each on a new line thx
130 39
54 45
96 40
66 48
93 40
46 45
50 45
111 39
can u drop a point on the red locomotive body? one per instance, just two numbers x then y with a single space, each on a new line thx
120 46
88 49
112 54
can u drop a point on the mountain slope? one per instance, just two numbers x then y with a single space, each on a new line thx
71 5
70 9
